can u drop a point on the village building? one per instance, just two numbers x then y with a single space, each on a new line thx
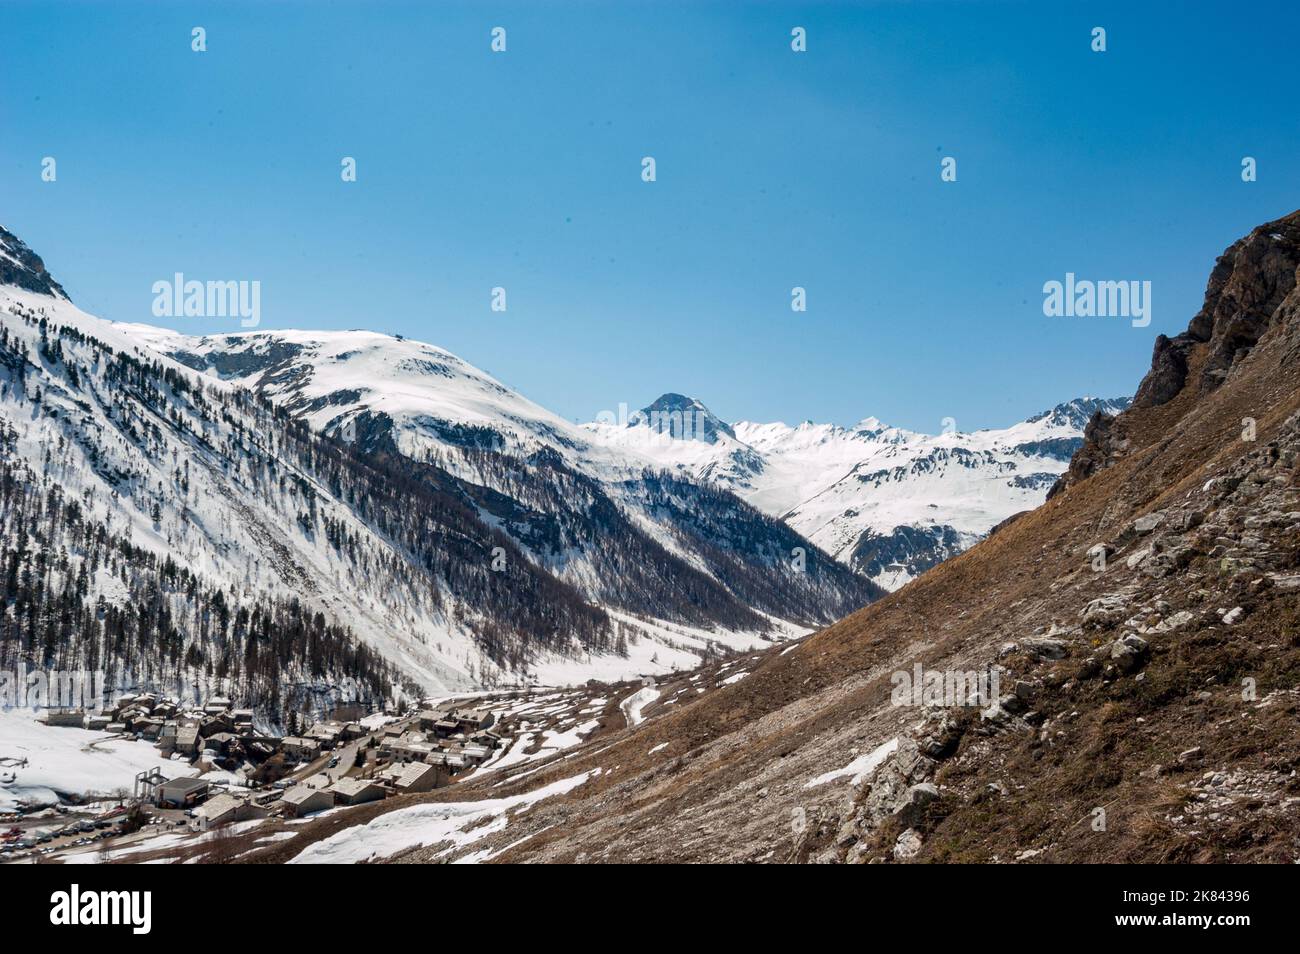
187 739
428 718
211 725
419 777
301 800
329 734
356 791
148 727
221 809
220 742
455 761
446 727
472 719
181 792
411 751
302 749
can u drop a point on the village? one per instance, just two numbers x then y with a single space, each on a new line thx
350 758
213 788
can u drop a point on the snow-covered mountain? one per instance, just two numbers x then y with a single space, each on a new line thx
289 510
889 502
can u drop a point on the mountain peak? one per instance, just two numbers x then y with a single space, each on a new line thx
23 268
1078 412
684 418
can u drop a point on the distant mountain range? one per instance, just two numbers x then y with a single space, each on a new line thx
888 502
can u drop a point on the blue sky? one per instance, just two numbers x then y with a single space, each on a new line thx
775 169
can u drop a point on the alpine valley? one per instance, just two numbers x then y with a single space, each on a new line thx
284 512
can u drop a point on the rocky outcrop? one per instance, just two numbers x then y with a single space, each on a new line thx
1253 287
1250 284
1103 444
22 267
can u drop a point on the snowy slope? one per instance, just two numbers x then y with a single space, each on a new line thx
405 498
389 394
432 398
884 501
211 496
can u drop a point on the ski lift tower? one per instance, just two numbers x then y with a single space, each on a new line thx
146 785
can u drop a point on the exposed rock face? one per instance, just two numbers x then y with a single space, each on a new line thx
20 266
1168 371
1252 288
684 418
914 548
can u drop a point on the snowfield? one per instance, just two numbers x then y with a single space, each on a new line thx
860 768
634 703
460 823
67 761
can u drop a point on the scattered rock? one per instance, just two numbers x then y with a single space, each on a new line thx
907 846
1105 610
1135 559
1148 522
1045 647
1125 657
1181 618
